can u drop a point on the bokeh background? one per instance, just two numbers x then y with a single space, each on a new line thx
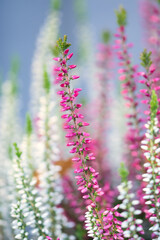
20 23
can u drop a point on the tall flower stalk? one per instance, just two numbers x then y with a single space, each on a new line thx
101 105
131 225
31 203
80 141
56 222
151 147
10 131
45 41
150 11
129 78
152 175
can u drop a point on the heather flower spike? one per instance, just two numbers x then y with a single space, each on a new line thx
128 77
132 225
148 81
31 203
80 142
152 175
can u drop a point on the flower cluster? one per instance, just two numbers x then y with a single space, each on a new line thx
47 37
101 105
30 202
149 82
91 225
152 175
10 131
49 172
129 91
131 225
151 16
78 138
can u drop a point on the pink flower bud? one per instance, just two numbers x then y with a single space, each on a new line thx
70 144
57 59
78 170
69 56
85 124
76 159
73 150
84 190
86 196
80 115
72 66
122 78
75 76
57 69
65 116
70 135
64 70
60 92
63 62
66 51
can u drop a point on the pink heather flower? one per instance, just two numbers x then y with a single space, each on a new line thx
49 238
101 109
149 83
72 66
86 178
69 56
66 51
74 200
57 59
74 76
128 75
151 15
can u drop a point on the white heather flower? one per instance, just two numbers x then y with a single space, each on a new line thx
152 176
9 133
128 210
50 181
90 224
47 38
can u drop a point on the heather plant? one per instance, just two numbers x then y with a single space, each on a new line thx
80 140
48 193
10 131
128 77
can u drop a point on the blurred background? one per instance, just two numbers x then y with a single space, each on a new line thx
21 21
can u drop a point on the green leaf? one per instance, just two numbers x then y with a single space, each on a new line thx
153 104
106 36
146 59
123 172
46 80
29 128
18 153
121 16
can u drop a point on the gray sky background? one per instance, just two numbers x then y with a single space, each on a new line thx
21 20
